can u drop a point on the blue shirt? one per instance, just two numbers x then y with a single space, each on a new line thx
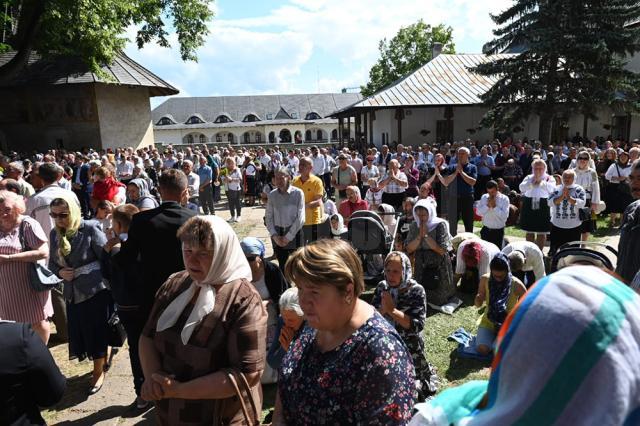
463 187
484 170
205 174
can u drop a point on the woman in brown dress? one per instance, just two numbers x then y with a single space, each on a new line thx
205 319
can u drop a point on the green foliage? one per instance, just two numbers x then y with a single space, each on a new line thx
95 29
410 49
573 59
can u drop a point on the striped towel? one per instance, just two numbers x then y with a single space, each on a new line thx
568 354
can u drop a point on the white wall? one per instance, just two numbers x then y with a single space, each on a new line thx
125 116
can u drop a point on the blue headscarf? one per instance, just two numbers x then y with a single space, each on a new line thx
253 246
499 291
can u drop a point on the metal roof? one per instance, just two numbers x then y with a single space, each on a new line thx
238 107
57 70
445 80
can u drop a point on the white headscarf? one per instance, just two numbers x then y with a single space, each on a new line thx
430 205
229 264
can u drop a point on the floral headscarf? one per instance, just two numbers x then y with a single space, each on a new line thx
75 220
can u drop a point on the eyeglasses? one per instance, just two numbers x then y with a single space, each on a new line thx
59 215
251 258
583 158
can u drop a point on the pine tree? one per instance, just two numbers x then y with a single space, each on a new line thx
572 61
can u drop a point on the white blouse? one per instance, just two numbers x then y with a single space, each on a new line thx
614 172
543 190
588 179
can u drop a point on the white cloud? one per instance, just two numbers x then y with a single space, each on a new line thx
275 53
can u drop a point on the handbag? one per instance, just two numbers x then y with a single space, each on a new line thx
430 277
243 392
623 187
40 277
584 214
117 333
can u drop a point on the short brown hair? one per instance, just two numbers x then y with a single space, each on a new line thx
173 181
327 262
196 231
124 214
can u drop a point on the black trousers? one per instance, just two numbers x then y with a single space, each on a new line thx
464 210
316 232
283 253
133 322
206 200
326 180
495 236
528 278
560 236
481 186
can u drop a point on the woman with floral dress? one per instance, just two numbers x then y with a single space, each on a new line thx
403 303
348 365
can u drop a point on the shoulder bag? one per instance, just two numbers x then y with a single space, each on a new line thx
243 392
40 277
624 187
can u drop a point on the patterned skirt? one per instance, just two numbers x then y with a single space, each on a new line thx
535 220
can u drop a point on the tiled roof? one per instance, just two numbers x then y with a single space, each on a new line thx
71 70
238 107
445 80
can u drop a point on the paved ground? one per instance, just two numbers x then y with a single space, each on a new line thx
112 405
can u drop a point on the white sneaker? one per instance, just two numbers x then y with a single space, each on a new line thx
237 219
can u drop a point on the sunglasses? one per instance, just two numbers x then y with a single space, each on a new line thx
251 258
59 215
583 158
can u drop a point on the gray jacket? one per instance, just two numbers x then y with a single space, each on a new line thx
86 248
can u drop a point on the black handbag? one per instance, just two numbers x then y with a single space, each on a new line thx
40 277
430 277
117 333
584 214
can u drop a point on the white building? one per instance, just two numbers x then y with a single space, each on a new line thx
250 119
440 102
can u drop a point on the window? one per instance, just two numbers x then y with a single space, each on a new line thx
165 121
230 137
272 137
203 139
334 134
444 131
294 115
188 139
312 116
319 135
218 138
307 135
258 138
223 119
194 120
247 137
269 116
250 118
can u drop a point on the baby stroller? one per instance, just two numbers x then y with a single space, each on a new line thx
584 253
368 234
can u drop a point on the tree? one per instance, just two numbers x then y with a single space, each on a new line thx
94 29
573 61
411 48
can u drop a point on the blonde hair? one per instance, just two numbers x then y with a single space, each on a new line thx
14 200
327 262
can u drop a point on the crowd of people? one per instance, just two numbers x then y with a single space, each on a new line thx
134 238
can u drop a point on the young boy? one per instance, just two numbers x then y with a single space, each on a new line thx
123 288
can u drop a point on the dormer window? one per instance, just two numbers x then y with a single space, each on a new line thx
165 121
294 115
312 116
194 120
223 119
250 118
269 116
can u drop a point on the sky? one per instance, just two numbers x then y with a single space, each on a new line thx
305 46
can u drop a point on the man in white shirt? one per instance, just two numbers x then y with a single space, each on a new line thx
124 169
318 161
526 260
494 209
193 181
472 262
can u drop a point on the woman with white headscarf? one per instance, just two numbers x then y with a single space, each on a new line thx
205 319
429 241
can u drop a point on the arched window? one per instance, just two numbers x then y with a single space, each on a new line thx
312 116
194 120
319 135
334 134
203 139
218 137
230 137
165 121
272 137
250 118
247 137
223 119
188 139
285 136
258 138
307 135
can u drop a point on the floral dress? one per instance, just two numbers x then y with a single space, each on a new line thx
369 379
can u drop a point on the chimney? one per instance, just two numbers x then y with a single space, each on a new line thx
437 49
